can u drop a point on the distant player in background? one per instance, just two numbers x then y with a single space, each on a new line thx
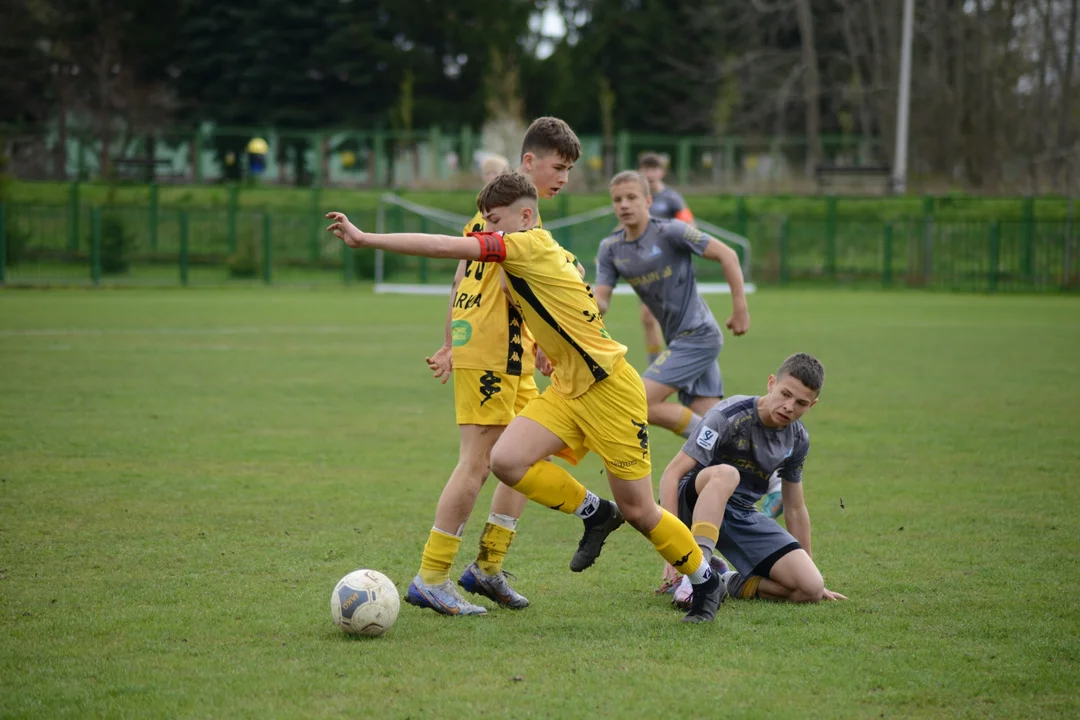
714 481
492 166
655 257
490 353
666 205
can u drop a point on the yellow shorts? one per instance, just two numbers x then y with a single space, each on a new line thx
485 397
610 419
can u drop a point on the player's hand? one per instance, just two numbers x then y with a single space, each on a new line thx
830 595
739 322
441 363
542 363
342 229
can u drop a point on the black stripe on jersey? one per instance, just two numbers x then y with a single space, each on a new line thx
736 409
514 348
526 292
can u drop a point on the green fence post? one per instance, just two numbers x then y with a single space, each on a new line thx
316 225
731 174
740 215
184 247
267 275
3 243
317 149
196 157
563 201
784 251
465 150
886 267
683 155
438 160
380 159
423 260
622 148
153 215
1027 252
95 245
925 268
234 201
995 255
347 263
830 237
73 223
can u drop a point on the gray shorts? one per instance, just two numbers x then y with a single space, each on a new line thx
691 366
749 540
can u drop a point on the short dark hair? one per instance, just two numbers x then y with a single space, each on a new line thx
504 190
806 369
627 176
550 134
652 160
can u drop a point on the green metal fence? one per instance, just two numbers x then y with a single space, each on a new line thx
124 245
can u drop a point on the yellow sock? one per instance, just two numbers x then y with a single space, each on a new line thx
494 544
439 554
551 486
673 540
654 349
705 530
750 587
684 420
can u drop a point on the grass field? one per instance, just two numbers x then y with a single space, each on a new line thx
184 475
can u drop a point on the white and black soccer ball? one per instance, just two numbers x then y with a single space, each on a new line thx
365 602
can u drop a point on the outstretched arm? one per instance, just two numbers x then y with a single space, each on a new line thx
797 519
422 244
739 322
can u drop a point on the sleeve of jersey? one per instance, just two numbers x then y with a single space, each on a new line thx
492 246
711 434
791 470
687 237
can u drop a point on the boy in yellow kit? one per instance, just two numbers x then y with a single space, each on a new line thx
491 356
596 400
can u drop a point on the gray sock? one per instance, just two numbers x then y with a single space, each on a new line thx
691 426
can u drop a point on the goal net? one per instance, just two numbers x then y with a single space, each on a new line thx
580 234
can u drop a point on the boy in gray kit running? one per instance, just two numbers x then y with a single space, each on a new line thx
656 258
667 204
724 469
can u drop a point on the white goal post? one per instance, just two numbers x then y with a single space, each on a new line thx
453 223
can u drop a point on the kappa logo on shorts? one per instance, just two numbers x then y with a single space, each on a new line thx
489 386
707 438
643 437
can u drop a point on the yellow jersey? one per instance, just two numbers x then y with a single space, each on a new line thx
557 306
488 332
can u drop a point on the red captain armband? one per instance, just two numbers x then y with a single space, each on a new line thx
685 215
492 246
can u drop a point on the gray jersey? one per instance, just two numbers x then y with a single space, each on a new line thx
666 203
659 265
731 433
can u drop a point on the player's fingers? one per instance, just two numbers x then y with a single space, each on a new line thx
335 215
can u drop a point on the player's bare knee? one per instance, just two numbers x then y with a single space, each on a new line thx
810 589
721 480
505 466
641 516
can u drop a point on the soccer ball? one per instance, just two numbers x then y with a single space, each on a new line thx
365 602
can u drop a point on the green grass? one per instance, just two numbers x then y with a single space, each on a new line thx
184 475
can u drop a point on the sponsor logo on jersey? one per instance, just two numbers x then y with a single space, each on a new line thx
707 438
